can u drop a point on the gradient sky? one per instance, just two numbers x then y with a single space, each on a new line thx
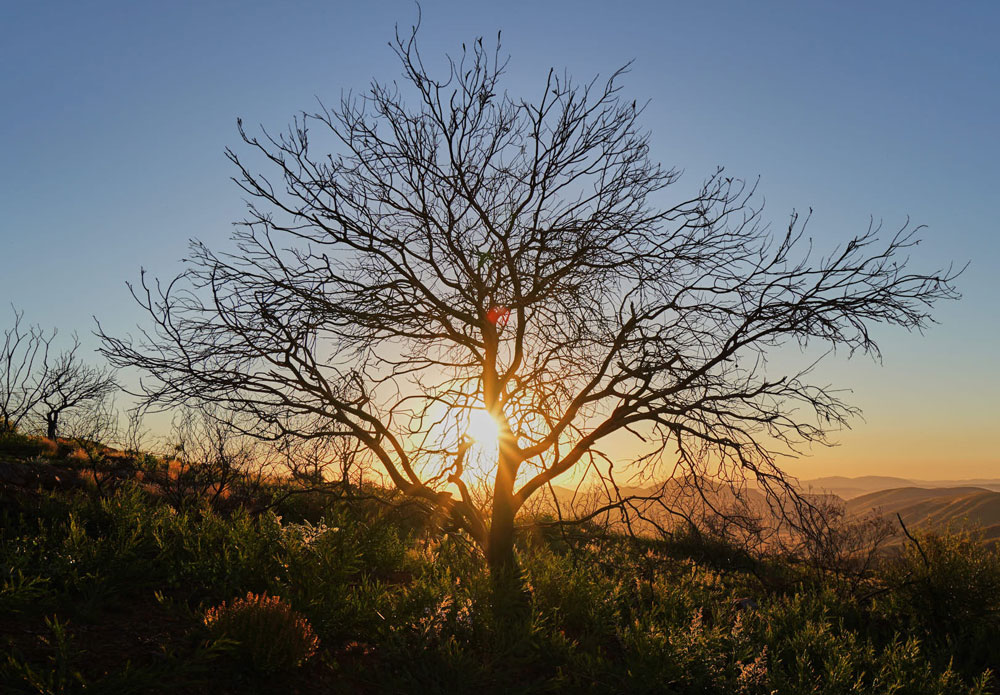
115 116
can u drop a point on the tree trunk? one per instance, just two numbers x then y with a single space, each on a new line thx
500 546
511 602
52 422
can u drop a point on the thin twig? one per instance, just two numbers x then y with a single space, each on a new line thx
927 562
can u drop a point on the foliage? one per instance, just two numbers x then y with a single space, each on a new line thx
948 594
16 444
58 676
397 609
268 632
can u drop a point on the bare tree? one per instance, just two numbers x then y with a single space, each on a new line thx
212 455
428 251
318 461
93 428
69 383
836 545
23 363
134 436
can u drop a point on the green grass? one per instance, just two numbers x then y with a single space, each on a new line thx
108 596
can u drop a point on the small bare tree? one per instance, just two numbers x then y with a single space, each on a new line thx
319 461
23 364
134 435
837 545
211 455
421 257
93 428
69 383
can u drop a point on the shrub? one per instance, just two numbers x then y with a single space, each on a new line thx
947 590
65 448
267 632
25 446
579 599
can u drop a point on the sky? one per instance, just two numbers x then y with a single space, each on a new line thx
116 115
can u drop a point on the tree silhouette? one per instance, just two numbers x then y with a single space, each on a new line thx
426 250
69 383
23 363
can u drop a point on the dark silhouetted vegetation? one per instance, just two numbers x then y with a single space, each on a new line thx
110 593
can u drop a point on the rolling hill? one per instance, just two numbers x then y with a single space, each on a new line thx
849 488
935 508
930 505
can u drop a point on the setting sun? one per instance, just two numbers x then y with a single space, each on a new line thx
483 428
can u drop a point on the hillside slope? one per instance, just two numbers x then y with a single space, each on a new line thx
849 488
935 508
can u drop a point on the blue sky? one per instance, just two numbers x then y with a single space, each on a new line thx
116 115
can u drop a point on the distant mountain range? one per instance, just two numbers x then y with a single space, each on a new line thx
848 488
922 504
935 508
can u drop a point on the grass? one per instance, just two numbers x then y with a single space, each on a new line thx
18 445
109 596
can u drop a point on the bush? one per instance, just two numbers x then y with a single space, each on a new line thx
267 632
67 449
580 600
25 446
947 591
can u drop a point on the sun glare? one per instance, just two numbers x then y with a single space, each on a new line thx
483 428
